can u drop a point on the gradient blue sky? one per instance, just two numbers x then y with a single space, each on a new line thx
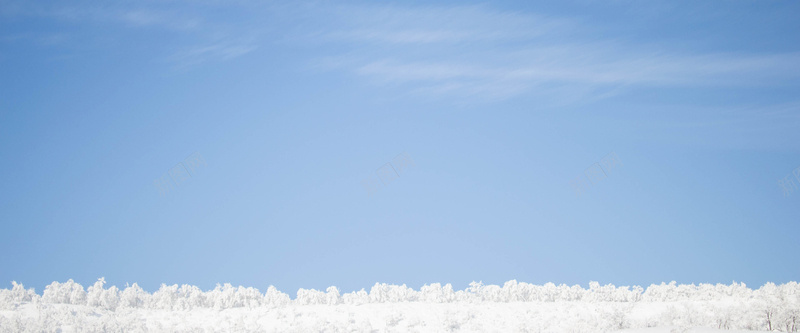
500 105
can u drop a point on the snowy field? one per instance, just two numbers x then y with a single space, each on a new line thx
514 307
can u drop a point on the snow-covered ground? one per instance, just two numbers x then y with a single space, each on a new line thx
514 307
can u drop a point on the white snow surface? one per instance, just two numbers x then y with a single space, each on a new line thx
514 307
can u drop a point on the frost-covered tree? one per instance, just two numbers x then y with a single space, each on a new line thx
382 293
103 298
356 297
769 302
435 293
133 297
166 297
274 297
64 293
194 297
248 297
332 297
10 299
310 296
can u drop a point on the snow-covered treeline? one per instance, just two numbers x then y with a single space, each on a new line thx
225 296
771 307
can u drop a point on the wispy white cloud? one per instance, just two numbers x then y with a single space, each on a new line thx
149 18
117 14
476 50
456 50
142 17
220 51
203 40
434 24
406 36
580 70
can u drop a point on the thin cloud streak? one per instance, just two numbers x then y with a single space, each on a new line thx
108 14
208 43
216 52
433 24
475 50
682 71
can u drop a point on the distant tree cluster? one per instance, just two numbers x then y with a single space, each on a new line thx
771 307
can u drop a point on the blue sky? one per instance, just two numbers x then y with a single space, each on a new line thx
500 105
